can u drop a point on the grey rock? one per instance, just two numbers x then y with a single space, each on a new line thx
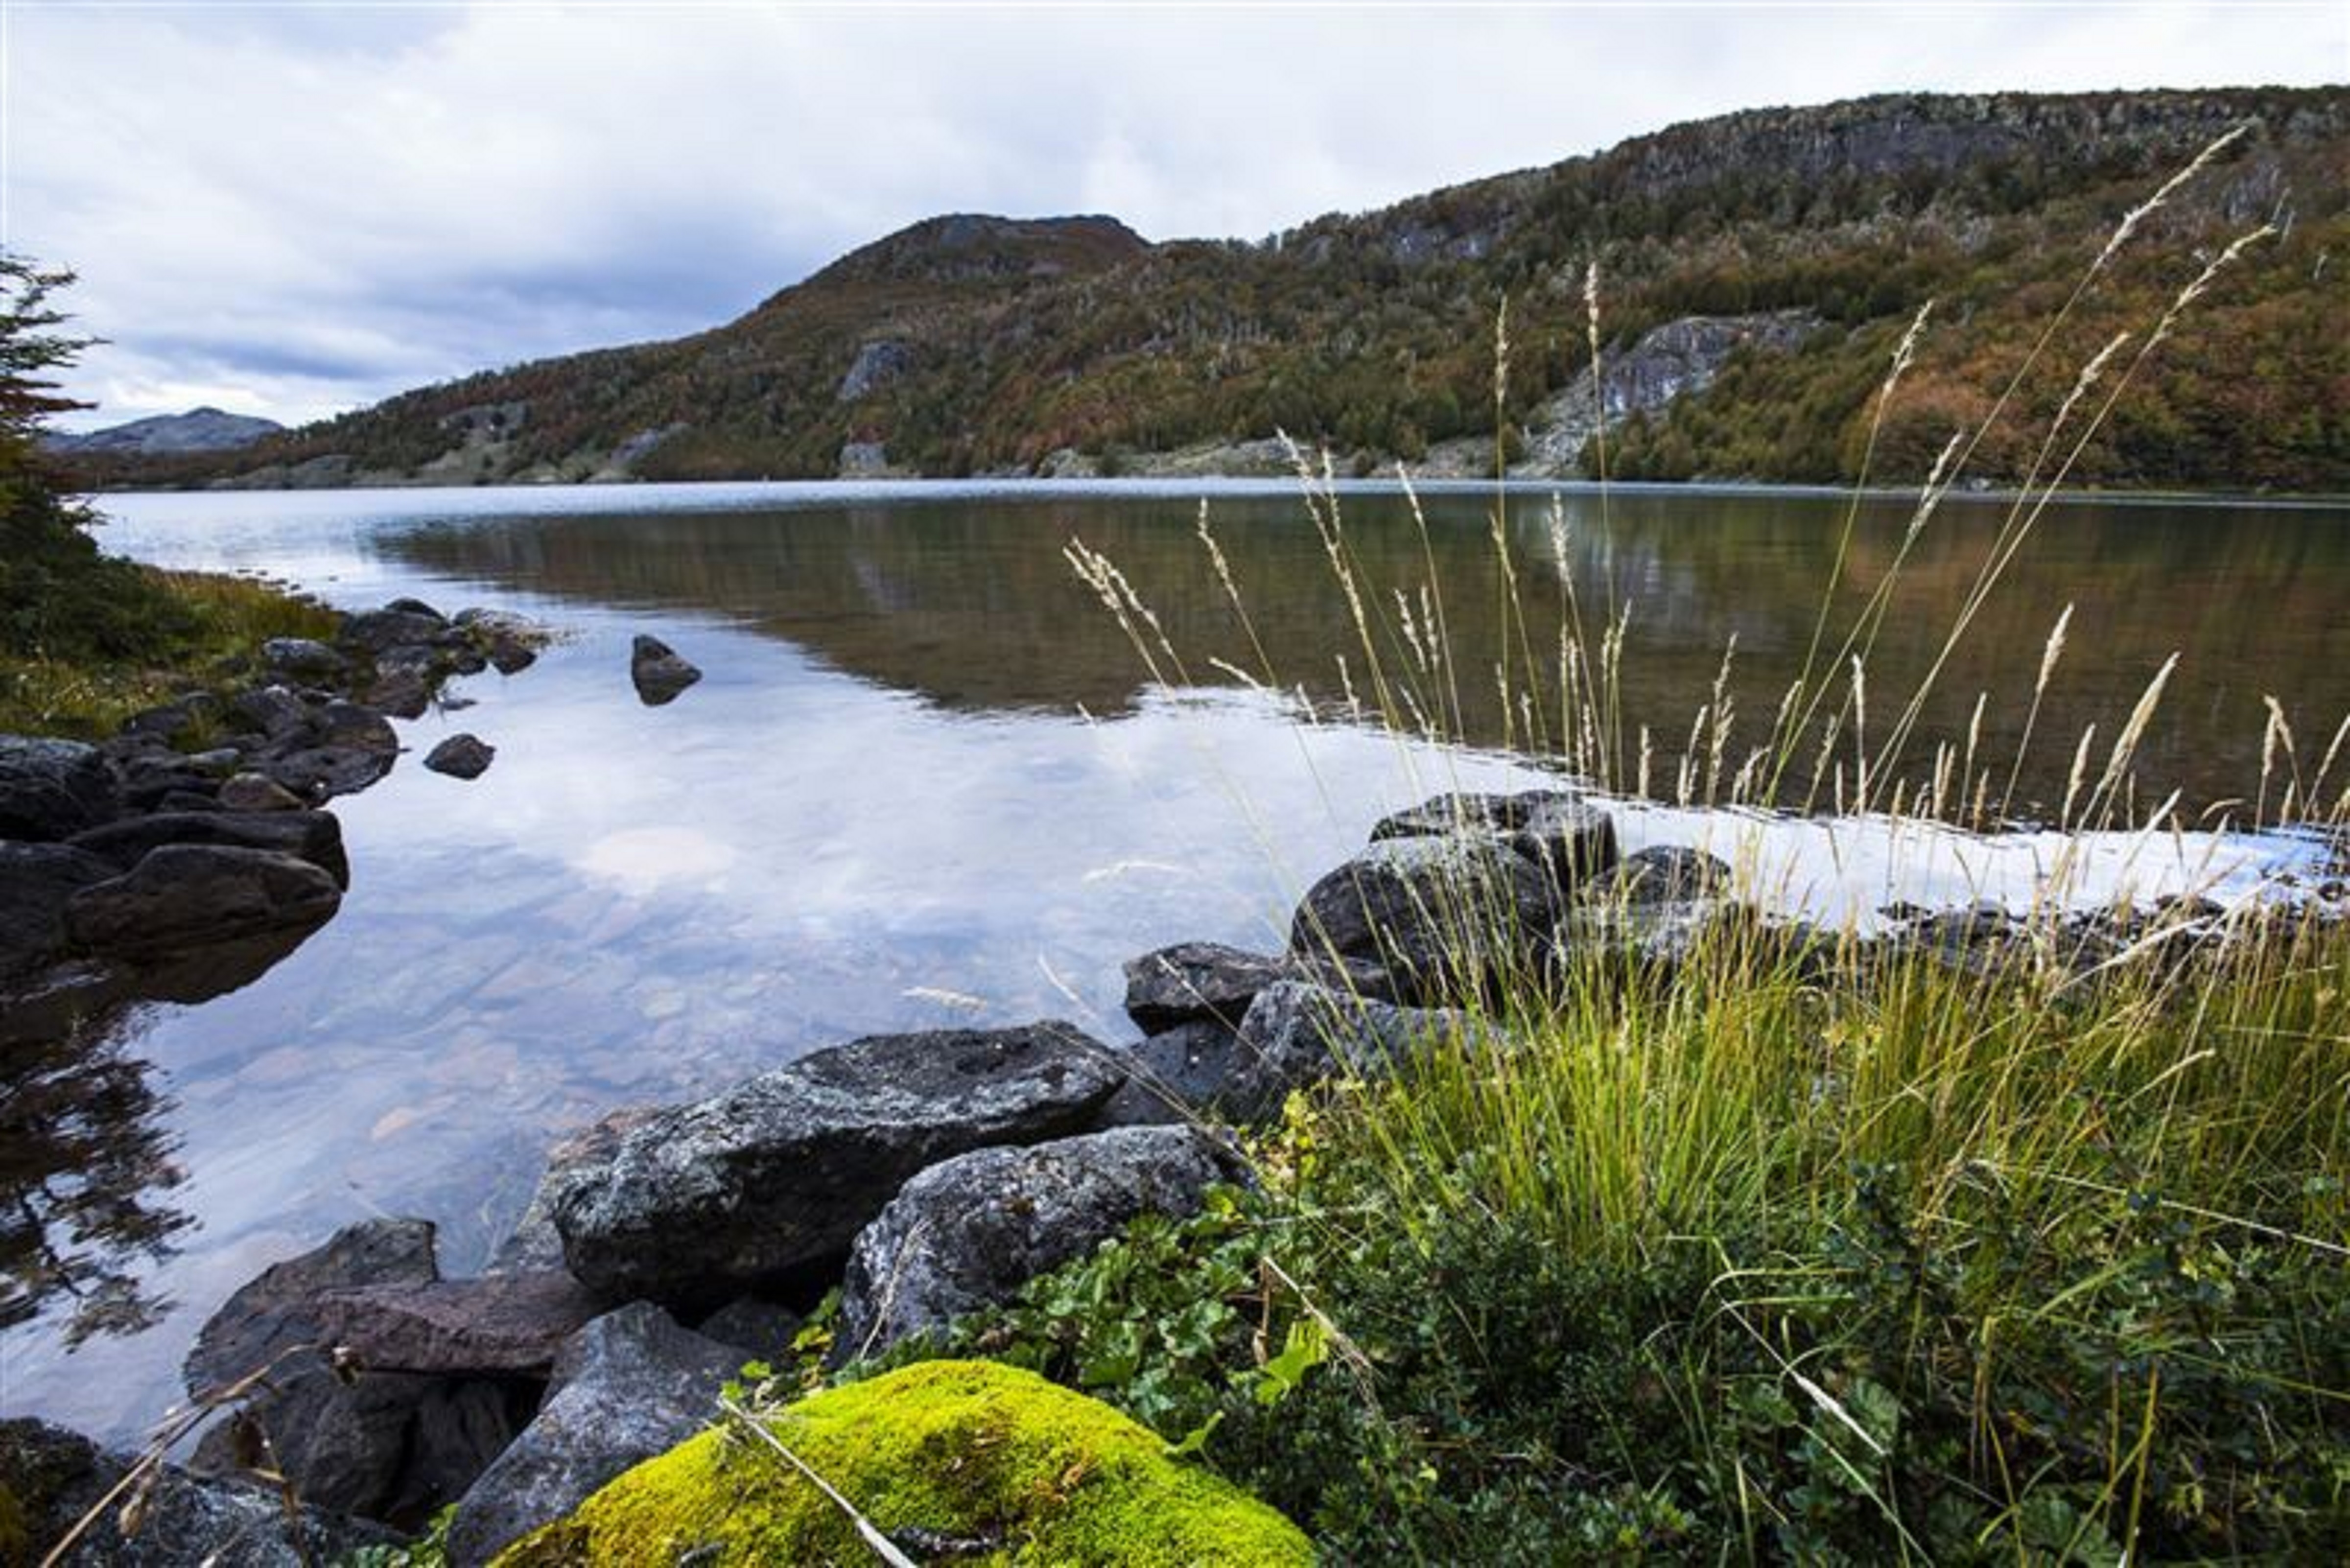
184 896
1174 1077
418 608
534 1242
256 791
275 711
1667 874
1573 842
1443 815
381 630
402 693
314 836
630 1385
303 662
178 717
877 365
1439 914
510 641
35 881
322 773
1297 1036
52 789
513 1323
763 1329
1210 982
56 1477
969 1232
761 1189
386 1446
460 756
659 673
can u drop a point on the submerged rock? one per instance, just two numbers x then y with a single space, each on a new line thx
767 1184
970 1231
629 1385
659 671
52 789
184 896
461 757
50 1479
955 1450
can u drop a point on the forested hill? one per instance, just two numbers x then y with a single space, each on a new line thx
1756 274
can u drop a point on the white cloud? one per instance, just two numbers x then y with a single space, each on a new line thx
296 210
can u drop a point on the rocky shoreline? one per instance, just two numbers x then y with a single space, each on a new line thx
910 1178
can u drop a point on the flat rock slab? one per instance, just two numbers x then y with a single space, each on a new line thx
630 1385
498 1323
969 1232
761 1189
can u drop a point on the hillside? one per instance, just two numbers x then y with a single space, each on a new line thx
1756 271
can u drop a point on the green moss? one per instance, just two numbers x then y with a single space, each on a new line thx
15 1534
966 1450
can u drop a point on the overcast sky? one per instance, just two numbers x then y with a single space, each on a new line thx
294 210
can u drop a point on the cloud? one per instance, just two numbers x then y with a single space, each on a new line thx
304 209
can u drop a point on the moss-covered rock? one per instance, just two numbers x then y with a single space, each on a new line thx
961 1450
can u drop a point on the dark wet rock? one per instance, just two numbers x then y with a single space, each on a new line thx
52 789
256 791
388 1446
534 1242
1571 840
1176 1075
274 711
35 881
146 773
1210 982
1445 815
51 1478
343 749
461 757
508 656
1667 872
762 1187
180 895
1439 914
630 1385
188 800
216 764
302 661
513 1323
379 631
763 1329
510 641
418 608
402 693
658 671
314 836
182 716
969 1232
1297 1036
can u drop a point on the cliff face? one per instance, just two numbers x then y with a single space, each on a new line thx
969 344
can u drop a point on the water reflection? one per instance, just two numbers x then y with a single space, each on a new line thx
970 605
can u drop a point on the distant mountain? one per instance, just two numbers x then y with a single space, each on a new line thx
1755 271
198 430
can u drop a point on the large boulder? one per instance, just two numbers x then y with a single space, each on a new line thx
629 1385
379 631
969 1232
50 1480
1439 914
389 1446
659 671
303 662
35 881
991 1458
1297 1036
52 789
766 1185
312 836
184 896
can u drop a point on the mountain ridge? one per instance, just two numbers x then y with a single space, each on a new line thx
975 344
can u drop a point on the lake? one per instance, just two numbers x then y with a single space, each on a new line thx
930 781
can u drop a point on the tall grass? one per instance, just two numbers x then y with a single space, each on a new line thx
2067 1189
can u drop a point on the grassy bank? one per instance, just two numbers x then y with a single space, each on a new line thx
194 631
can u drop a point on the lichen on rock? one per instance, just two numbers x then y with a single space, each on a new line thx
963 1451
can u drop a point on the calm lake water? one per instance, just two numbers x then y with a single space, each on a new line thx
928 781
